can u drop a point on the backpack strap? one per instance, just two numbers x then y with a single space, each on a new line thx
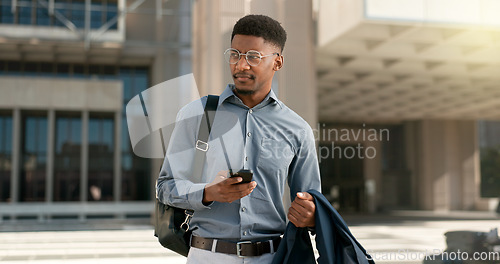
201 144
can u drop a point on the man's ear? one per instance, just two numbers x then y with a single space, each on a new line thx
278 63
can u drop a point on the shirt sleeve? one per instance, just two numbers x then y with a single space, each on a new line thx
176 185
303 173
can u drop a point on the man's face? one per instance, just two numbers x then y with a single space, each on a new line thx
250 79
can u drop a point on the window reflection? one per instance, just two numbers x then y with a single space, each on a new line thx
6 15
42 16
34 157
5 156
136 179
67 157
101 148
24 15
34 13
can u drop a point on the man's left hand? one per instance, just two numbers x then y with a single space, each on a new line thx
301 213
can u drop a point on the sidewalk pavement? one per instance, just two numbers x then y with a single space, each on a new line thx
397 238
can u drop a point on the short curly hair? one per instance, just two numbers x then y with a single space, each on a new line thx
261 26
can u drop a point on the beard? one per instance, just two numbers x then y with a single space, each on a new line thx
243 92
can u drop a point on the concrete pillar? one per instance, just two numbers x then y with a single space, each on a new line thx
117 161
16 150
84 161
429 140
212 26
297 79
372 171
449 166
453 154
470 165
117 157
49 183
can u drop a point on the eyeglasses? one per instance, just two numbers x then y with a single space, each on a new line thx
253 57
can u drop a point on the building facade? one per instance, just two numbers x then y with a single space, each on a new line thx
403 97
67 70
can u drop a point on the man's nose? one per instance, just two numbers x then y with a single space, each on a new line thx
242 64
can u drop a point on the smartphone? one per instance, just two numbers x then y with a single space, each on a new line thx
246 175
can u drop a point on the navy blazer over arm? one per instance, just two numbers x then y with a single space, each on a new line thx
334 241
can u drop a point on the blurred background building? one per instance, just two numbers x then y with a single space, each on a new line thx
423 75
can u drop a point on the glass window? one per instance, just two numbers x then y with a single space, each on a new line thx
33 157
393 150
126 145
109 70
46 69
395 173
67 157
96 19
63 70
5 156
3 67
24 15
112 11
140 81
489 144
6 16
127 87
136 172
101 148
29 12
14 67
63 11
30 69
42 16
95 70
77 15
79 71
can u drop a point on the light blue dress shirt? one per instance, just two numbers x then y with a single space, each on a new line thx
270 139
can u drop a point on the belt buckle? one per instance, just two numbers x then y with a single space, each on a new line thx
201 145
238 248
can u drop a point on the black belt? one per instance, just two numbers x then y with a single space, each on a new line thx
241 249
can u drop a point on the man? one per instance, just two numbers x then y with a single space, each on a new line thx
238 222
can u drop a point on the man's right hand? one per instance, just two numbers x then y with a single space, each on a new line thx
226 190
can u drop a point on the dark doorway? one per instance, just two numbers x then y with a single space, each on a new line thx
342 179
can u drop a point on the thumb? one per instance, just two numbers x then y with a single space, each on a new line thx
304 196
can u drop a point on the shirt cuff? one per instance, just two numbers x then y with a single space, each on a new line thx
195 196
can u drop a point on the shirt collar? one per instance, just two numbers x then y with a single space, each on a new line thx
229 95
